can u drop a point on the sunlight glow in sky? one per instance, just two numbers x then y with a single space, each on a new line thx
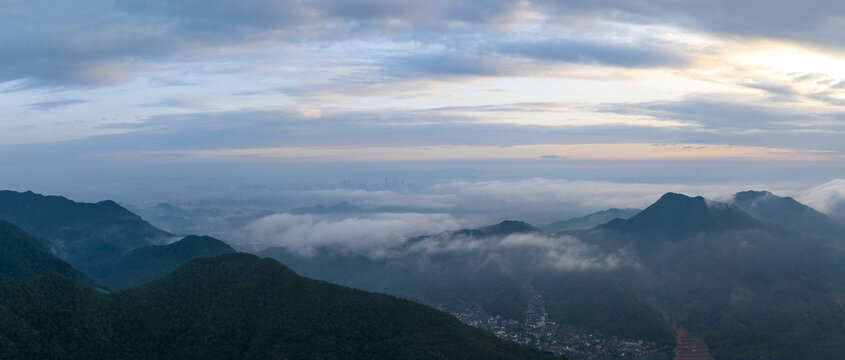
372 81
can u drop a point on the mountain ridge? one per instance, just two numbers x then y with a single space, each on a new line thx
788 213
152 262
590 221
22 257
232 306
681 215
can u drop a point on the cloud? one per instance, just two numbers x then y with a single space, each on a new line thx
94 43
378 235
713 112
401 236
84 44
828 198
274 128
539 200
814 22
556 252
596 51
52 104
183 101
777 90
739 121
449 64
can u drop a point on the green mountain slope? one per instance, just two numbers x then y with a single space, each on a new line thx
752 290
788 213
21 257
152 262
456 280
231 306
91 237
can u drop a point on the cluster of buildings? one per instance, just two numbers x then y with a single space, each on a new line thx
540 332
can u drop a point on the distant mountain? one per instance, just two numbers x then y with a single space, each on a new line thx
751 289
221 222
425 274
838 212
91 237
508 227
590 221
105 241
504 228
172 210
149 263
339 208
788 213
234 306
675 215
22 257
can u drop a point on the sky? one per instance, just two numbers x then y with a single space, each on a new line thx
150 100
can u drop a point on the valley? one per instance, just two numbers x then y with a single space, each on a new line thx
539 331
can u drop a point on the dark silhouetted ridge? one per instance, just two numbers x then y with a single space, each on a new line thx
788 213
590 221
679 215
508 227
152 262
234 306
21 257
339 208
90 236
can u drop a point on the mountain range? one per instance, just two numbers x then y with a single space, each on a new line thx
788 213
22 257
589 221
754 286
105 241
229 306
751 288
757 277
90 236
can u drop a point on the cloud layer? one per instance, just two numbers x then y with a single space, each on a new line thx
377 236
396 236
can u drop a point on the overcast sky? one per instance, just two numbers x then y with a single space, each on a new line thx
100 96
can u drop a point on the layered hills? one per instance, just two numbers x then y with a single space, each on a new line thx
90 236
22 257
757 277
152 262
788 213
752 289
589 221
104 240
752 285
231 306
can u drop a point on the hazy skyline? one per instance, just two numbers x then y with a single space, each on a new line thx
102 97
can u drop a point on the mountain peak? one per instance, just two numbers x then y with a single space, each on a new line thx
788 213
676 198
22 257
339 208
344 207
680 215
152 262
508 227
